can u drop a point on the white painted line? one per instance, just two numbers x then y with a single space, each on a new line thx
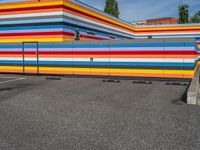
8 77
12 80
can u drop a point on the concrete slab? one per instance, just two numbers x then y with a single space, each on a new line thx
193 90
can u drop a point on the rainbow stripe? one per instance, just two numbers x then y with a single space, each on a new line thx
57 21
38 37
133 58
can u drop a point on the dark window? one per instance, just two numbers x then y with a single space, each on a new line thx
77 35
90 32
112 37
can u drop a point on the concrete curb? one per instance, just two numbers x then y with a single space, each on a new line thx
193 90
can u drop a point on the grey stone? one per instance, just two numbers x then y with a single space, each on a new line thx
193 90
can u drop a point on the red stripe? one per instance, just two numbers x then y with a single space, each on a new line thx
88 15
106 53
31 8
60 6
121 52
71 9
32 33
37 33
50 33
167 30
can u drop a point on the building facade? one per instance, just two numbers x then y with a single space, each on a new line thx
63 20
71 38
160 21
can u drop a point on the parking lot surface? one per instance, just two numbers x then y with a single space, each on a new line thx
87 114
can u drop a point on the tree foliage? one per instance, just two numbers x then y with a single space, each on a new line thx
195 18
111 8
183 13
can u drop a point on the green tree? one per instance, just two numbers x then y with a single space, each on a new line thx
111 8
183 14
195 18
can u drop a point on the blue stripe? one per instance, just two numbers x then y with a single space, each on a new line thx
94 27
118 63
11 62
32 27
149 64
153 45
69 45
31 21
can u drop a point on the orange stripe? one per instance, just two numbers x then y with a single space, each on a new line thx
33 36
98 56
12 71
96 20
124 26
27 2
31 11
146 75
172 31
55 72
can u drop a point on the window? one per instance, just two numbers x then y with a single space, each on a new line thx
112 37
77 35
90 32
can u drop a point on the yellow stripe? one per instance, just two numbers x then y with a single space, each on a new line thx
98 15
179 72
10 68
148 71
90 71
30 68
167 28
125 25
59 2
32 39
154 71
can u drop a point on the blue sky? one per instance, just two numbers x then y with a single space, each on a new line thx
134 10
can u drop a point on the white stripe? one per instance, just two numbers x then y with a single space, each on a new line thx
173 33
31 30
121 59
81 59
30 59
8 77
61 13
12 80
31 15
144 60
55 59
150 48
90 21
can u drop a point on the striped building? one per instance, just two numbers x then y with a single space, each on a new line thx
39 38
63 20
165 58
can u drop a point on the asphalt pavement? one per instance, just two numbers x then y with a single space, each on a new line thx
37 113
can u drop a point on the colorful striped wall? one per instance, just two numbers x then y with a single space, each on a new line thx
198 49
164 58
38 37
58 21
